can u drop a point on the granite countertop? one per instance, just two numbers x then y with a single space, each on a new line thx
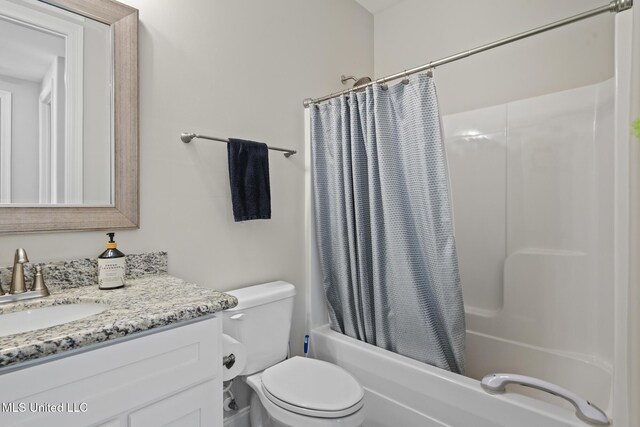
150 299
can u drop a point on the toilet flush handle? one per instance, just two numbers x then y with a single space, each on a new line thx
238 316
229 361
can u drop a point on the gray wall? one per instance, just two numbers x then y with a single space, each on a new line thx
415 32
226 68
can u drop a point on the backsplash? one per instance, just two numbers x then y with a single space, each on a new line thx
84 271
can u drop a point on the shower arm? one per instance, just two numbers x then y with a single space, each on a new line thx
585 410
344 79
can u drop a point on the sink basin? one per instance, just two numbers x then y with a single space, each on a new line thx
45 317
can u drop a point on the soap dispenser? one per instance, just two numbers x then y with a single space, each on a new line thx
111 266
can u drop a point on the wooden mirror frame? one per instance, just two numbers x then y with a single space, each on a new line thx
125 212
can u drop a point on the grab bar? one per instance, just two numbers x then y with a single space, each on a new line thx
585 410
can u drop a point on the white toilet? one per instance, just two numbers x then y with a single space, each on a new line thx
297 392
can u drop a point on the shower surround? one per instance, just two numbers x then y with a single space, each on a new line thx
533 185
539 223
541 203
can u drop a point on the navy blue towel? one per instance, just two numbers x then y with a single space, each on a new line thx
249 179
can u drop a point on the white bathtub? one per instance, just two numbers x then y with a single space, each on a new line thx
403 392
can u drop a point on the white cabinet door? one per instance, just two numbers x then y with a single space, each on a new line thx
113 381
117 422
195 407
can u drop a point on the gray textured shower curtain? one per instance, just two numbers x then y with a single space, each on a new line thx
384 223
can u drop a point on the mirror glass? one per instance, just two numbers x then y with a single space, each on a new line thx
56 107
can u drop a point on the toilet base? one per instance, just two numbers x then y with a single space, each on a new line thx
258 415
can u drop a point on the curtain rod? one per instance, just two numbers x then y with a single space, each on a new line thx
614 6
186 137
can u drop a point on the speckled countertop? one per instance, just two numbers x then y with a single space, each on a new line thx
150 299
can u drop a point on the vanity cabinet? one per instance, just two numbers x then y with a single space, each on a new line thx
172 377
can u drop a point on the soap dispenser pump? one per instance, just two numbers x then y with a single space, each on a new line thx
111 266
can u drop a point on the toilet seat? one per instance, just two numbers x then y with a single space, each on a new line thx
313 388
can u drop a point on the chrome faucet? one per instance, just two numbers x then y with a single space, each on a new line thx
18 289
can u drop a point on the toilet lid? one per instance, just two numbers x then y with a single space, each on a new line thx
311 387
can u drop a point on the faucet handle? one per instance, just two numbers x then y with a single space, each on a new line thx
38 282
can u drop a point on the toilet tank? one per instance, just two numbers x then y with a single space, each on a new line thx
261 322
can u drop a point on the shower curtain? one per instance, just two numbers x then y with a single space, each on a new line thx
384 223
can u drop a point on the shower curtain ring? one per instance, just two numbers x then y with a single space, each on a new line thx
405 80
430 70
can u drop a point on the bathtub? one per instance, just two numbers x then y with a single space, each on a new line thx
403 392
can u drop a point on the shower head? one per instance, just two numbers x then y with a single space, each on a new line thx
357 81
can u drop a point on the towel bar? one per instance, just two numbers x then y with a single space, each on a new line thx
186 137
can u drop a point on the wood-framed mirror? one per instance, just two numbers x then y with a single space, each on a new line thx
121 209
